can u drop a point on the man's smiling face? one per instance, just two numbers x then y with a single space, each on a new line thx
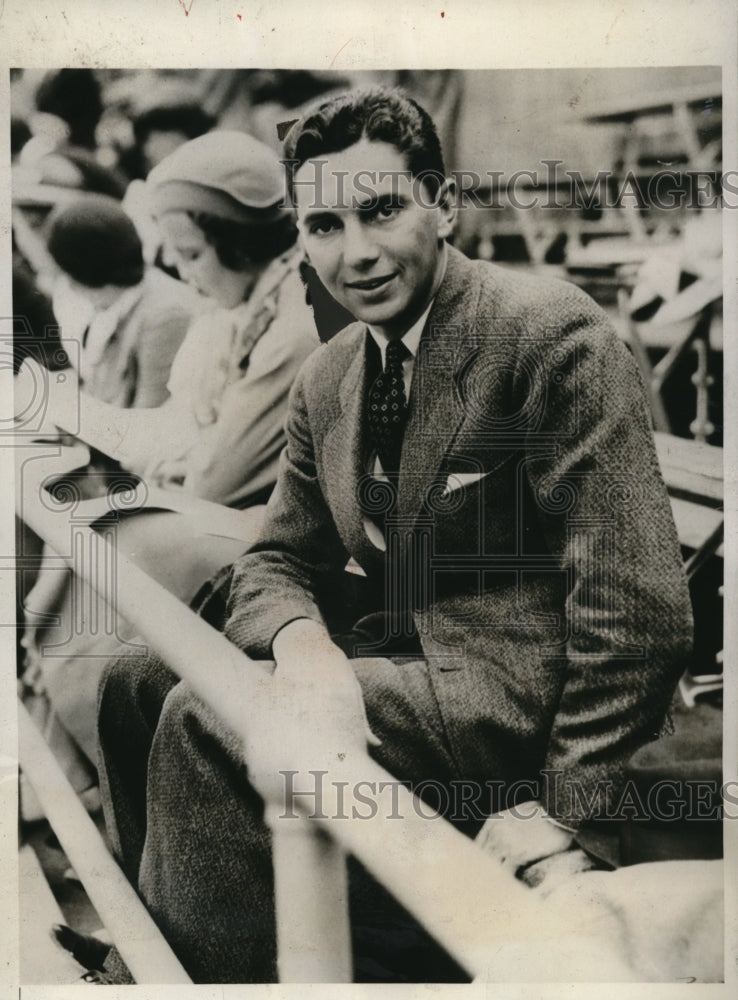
368 229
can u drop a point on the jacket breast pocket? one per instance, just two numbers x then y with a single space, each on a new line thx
474 506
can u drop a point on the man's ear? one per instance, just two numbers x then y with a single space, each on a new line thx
447 208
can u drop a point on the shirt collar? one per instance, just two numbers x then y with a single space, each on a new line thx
411 339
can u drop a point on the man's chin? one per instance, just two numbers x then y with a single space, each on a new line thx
377 314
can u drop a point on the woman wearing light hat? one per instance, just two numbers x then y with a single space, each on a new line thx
218 203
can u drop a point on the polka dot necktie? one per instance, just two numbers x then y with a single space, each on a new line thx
387 408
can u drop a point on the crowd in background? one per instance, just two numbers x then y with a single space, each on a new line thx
77 133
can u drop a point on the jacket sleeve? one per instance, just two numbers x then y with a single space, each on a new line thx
279 579
604 510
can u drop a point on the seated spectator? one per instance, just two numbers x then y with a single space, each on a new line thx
127 321
62 150
513 640
74 96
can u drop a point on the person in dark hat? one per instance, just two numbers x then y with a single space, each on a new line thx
160 129
128 321
68 110
74 95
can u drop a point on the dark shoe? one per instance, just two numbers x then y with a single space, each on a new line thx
52 841
98 978
84 948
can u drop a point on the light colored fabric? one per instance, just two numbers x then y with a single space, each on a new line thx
103 326
222 430
225 425
224 173
174 550
219 435
657 922
73 312
126 357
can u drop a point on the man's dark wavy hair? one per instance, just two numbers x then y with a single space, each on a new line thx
379 114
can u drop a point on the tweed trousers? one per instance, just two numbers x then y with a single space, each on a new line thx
188 829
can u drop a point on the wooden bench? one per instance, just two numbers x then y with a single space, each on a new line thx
693 472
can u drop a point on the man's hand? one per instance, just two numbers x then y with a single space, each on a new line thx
315 717
304 653
523 835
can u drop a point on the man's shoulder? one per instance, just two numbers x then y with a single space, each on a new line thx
486 301
485 309
515 292
332 360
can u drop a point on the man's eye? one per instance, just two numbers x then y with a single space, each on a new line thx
322 226
388 210
188 256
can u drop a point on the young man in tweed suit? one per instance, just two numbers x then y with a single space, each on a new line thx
524 616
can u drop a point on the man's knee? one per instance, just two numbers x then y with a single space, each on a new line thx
130 696
186 722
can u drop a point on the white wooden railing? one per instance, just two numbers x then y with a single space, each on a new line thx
421 861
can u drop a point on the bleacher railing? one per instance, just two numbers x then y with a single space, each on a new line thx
472 905
464 898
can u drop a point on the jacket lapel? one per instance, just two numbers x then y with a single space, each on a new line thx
436 408
344 452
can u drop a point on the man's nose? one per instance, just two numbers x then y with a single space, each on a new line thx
360 249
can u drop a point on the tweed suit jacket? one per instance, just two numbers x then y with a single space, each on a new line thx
549 596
